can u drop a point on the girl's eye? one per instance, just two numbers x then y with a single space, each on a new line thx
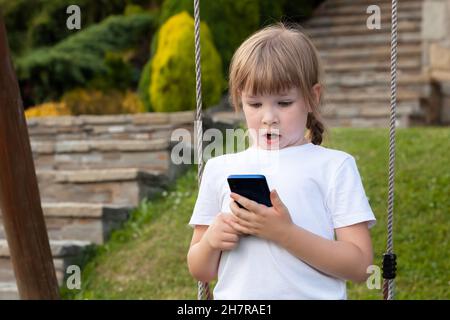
286 103
254 104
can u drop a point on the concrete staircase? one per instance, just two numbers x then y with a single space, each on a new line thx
357 63
92 170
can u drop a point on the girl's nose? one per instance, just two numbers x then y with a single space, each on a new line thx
269 117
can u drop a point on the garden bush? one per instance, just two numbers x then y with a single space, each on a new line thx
37 23
96 102
49 109
230 21
172 86
144 81
144 85
49 72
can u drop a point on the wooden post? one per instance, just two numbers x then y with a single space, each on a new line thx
20 202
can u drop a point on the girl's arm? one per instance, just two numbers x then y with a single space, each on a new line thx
207 244
203 260
347 257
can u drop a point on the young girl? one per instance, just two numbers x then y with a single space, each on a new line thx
316 234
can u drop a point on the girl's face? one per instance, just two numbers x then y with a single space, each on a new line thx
284 114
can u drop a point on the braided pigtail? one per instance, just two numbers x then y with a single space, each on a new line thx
316 128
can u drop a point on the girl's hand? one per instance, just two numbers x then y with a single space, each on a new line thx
270 223
220 235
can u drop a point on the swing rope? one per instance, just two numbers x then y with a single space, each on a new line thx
203 287
389 258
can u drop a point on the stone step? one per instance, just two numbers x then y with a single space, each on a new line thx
420 90
64 252
407 64
363 79
8 291
150 118
364 122
102 132
357 8
361 19
7 271
377 53
369 94
403 26
143 126
369 109
365 41
113 186
60 248
81 221
91 154
338 3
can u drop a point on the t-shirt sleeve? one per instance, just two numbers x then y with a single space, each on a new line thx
207 204
347 200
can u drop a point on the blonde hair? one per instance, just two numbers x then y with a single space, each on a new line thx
276 59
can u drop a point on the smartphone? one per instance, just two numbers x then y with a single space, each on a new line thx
251 186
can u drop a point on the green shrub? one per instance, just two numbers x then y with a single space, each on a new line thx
172 85
144 81
298 10
230 21
38 23
48 72
16 15
133 9
119 73
144 84
81 101
270 11
48 109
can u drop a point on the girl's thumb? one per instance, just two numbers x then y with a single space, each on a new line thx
276 201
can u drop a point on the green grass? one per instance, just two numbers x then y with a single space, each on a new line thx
147 258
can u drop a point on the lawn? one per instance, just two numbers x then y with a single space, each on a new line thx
147 258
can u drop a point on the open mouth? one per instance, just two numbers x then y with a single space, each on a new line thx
271 137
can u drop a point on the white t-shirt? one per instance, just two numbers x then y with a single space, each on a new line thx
322 190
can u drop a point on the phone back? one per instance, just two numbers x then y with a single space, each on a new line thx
251 186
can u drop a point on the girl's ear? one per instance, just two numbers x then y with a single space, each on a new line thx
316 90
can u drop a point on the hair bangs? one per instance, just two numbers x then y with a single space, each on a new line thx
269 73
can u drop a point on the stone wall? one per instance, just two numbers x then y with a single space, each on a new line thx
436 56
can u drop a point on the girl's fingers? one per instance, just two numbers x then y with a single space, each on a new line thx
228 227
240 213
245 202
230 237
241 228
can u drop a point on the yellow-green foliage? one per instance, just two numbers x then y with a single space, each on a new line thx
81 101
172 86
49 109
